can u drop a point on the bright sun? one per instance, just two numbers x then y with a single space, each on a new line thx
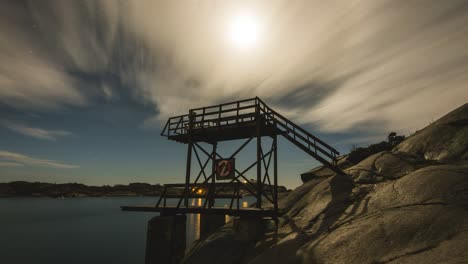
244 31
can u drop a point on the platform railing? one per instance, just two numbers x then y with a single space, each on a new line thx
205 190
212 116
243 111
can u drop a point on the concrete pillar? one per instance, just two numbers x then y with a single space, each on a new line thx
210 223
248 228
165 240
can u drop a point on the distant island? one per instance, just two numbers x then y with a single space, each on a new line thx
42 189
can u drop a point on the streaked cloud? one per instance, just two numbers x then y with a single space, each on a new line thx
337 65
29 78
11 158
35 132
10 164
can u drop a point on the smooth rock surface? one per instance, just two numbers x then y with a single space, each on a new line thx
444 140
381 166
409 205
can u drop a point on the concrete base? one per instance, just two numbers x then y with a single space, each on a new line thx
165 241
210 223
248 228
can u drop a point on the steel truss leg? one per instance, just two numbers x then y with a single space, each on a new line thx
187 173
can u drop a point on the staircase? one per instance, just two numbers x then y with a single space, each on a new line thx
239 117
304 140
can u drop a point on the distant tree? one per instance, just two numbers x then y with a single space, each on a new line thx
357 154
395 139
391 137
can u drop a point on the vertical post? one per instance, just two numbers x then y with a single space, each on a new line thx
165 239
187 174
238 195
213 178
275 172
259 146
189 160
237 113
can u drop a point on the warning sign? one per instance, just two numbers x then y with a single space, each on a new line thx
225 169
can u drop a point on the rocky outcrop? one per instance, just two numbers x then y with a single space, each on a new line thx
343 162
385 166
421 216
444 140
409 205
421 213
220 247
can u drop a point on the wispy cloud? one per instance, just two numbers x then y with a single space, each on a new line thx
10 164
30 78
9 158
35 131
346 63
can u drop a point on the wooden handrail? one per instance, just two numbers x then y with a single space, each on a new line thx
224 104
302 130
225 111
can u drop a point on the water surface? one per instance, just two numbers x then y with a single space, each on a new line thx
77 230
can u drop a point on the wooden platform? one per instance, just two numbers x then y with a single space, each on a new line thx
228 131
172 210
243 119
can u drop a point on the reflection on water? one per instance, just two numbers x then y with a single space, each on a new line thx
193 220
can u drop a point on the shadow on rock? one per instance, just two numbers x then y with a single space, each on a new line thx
335 196
341 187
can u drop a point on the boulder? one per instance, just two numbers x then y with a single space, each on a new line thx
318 172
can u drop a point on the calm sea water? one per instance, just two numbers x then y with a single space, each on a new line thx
77 230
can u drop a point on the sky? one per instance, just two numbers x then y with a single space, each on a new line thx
86 86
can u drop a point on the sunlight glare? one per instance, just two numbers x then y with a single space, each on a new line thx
244 31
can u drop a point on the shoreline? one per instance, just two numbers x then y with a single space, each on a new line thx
76 190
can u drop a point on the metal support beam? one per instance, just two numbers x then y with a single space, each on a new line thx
213 177
189 160
275 173
259 156
240 148
187 173
202 167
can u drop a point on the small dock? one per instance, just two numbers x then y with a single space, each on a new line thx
174 210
